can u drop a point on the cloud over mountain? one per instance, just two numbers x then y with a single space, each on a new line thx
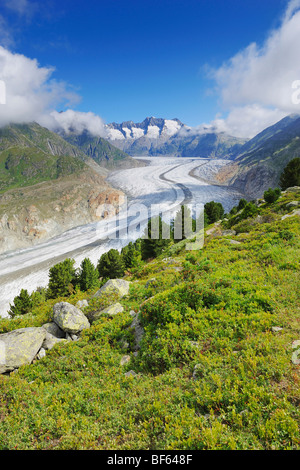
255 85
31 92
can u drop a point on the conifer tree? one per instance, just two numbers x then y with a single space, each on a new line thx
110 265
153 242
89 276
62 279
291 174
22 304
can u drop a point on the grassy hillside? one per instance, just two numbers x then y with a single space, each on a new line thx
214 370
26 166
31 154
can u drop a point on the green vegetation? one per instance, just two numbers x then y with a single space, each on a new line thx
271 195
22 304
156 238
212 371
110 265
291 174
213 212
61 279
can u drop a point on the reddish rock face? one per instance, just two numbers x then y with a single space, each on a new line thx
58 206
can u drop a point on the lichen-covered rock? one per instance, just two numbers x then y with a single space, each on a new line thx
138 331
69 318
19 347
53 329
82 303
119 287
51 341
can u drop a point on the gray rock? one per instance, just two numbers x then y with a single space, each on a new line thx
234 242
138 331
131 373
293 204
125 360
276 329
226 233
41 353
295 212
296 357
19 347
114 286
296 344
54 330
198 371
51 341
113 309
82 303
69 318
70 337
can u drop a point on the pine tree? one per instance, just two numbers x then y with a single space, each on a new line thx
183 224
89 276
214 211
291 174
22 304
110 265
61 279
131 256
153 243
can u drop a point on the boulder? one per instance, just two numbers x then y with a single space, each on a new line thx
51 341
54 330
130 373
69 318
112 310
19 347
82 303
118 287
293 204
295 212
125 360
138 331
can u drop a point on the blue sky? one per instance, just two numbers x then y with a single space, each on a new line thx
136 58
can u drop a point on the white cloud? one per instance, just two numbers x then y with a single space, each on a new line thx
78 121
255 85
31 92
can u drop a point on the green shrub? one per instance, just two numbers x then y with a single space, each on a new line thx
271 195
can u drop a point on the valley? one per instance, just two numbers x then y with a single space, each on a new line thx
166 182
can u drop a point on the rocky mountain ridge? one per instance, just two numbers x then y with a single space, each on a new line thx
260 161
157 136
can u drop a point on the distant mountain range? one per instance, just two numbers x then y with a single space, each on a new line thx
156 136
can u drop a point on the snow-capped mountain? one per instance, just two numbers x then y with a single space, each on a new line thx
150 128
157 136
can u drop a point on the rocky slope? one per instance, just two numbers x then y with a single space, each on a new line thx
259 162
37 213
47 186
156 136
